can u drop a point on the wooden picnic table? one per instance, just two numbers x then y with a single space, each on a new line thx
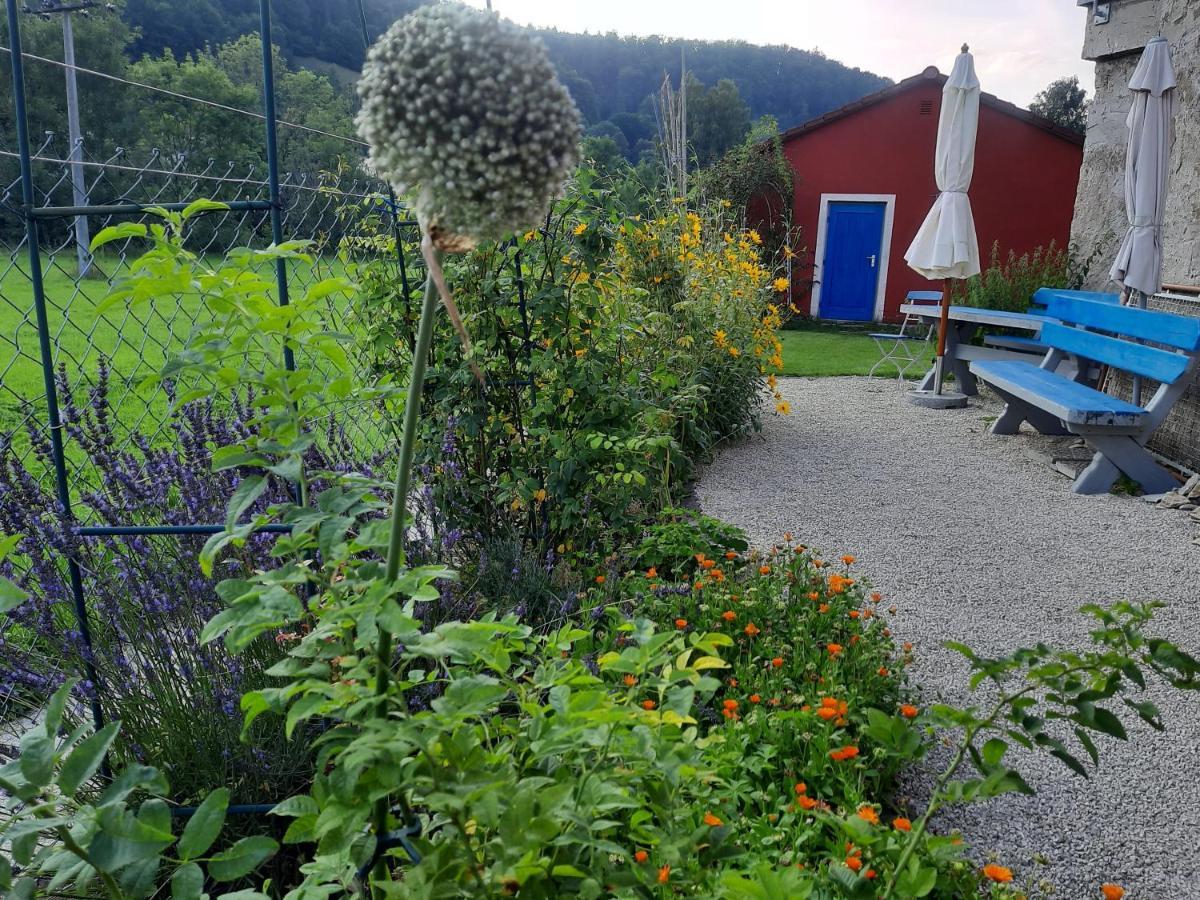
965 322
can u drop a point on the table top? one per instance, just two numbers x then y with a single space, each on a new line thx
997 317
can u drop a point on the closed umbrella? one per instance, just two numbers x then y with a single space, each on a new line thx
1151 123
946 246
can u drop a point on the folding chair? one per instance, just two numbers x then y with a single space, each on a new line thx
898 348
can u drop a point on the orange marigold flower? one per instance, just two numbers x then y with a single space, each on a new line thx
798 549
848 559
826 713
854 613
1112 891
630 681
711 820
807 803
999 874
823 608
908 647
883 671
844 753
733 682
887 632
801 787
648 704
909 711
755 698
813 595
774 701
729 554
652 573
729 615
819 563
708 564
717 575
834 649
901 824
870 874
868 815
663 874
700 557
681 623
751 629
777 662
600 579
876 596
764 570
787 536
853 863
641 856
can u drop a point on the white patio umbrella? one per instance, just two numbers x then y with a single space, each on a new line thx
946 245
1151 123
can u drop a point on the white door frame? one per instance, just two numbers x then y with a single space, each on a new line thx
885 249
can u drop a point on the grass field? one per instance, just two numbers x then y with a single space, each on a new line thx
825 350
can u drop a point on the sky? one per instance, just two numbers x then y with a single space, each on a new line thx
1020 46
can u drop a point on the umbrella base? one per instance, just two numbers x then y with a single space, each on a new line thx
944 400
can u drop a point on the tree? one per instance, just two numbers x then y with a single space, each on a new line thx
1063 102
718 119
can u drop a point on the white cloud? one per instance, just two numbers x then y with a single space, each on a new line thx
1020 46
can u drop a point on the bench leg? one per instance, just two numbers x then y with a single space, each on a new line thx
1017 411
1121 453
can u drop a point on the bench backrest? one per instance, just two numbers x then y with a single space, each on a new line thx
923 297
1180 332
1042 297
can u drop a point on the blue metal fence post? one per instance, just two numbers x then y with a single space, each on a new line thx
54 419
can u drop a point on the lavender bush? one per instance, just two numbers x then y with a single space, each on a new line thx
147 598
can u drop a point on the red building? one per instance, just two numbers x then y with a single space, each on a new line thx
864 182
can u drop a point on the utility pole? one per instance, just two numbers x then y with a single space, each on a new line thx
79 192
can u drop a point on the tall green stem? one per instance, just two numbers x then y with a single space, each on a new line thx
395 557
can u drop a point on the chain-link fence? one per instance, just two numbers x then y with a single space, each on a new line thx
73 408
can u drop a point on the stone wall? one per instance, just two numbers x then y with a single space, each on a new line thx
1100 203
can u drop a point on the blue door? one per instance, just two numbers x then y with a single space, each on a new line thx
850 271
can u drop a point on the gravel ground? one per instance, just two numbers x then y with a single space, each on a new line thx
978 540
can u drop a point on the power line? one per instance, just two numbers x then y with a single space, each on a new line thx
179 96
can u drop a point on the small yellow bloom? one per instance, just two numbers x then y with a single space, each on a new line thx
530 235
781 285
783 408
540 495
580 228
735 352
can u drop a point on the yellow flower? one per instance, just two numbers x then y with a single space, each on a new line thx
735 352
783 408
781 285
540 495
725 204
772 382
530 235
753 235
719 338
580 228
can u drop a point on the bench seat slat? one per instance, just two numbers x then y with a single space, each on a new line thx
1069 401
1150 362
1015 342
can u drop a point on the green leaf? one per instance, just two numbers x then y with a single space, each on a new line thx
242 858
187 883
298 805
201 206
37 758
117 233
993 751
243 498
86 759
11 596
917 882
58 702
204 825
1108 723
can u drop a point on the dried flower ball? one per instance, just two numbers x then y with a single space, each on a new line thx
464 108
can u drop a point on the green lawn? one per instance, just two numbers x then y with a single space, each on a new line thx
824 350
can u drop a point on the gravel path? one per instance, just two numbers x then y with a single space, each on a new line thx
977 540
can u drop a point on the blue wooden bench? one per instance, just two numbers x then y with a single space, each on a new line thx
1096 332
1038 306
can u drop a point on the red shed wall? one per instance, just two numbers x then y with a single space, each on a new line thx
1022 194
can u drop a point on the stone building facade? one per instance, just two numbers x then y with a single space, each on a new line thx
1116 33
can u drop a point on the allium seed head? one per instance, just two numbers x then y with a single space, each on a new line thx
465 108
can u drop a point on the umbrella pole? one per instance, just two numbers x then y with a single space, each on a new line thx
1137 379
943 328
